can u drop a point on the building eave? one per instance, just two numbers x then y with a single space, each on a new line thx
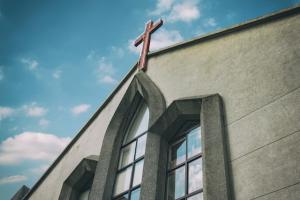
223 32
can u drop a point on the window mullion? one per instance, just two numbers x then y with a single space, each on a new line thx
132 172
186 166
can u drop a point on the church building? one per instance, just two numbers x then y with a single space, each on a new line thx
213 118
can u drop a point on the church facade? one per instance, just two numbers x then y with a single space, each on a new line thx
214 118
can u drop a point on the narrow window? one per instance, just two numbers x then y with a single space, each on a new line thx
185 166
131 161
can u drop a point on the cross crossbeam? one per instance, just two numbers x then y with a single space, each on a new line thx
146 37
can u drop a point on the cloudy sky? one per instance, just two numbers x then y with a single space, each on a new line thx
59 60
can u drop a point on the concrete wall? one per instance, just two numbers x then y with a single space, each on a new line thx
257 73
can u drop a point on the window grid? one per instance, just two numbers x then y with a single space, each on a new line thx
132 164
185 164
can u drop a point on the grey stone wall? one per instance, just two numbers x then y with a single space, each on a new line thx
257 73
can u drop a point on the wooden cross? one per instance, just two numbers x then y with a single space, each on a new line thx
146 37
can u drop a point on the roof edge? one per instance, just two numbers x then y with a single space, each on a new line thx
242 26
82 130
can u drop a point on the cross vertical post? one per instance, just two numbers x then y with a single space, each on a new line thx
146 37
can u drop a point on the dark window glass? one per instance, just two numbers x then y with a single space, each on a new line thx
185 167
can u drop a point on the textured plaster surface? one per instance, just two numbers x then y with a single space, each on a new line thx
256 71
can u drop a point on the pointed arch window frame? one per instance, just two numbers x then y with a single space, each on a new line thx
141 114
140 87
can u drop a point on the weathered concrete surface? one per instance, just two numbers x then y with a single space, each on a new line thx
249 69
268 124
268 169
256 71
288 193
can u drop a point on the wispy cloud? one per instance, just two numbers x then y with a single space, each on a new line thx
162 6
108 80
44 122
6 112
104 69
211 22
57 74
174 11
12 179
186 11
79 109
33 110
31 146
118 51
30 63
162 38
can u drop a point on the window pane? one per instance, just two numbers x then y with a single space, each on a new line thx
194 142
127 155
123 181
139 125
196 197
176 183
135 194
178 154
138 172
141 146
195 175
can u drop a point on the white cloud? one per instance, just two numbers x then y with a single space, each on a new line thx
57 74
31 146
12 179
162 38
105 72
173 11
105 66
34 111
210 22
186 11
165 38
162 6
108 79
43 122
31 64
76 110
6 112
104 69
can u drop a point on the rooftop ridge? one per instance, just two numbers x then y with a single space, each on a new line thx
239 27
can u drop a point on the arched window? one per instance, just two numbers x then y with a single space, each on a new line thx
185 166
131 161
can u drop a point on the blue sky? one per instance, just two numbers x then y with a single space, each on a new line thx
59 60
